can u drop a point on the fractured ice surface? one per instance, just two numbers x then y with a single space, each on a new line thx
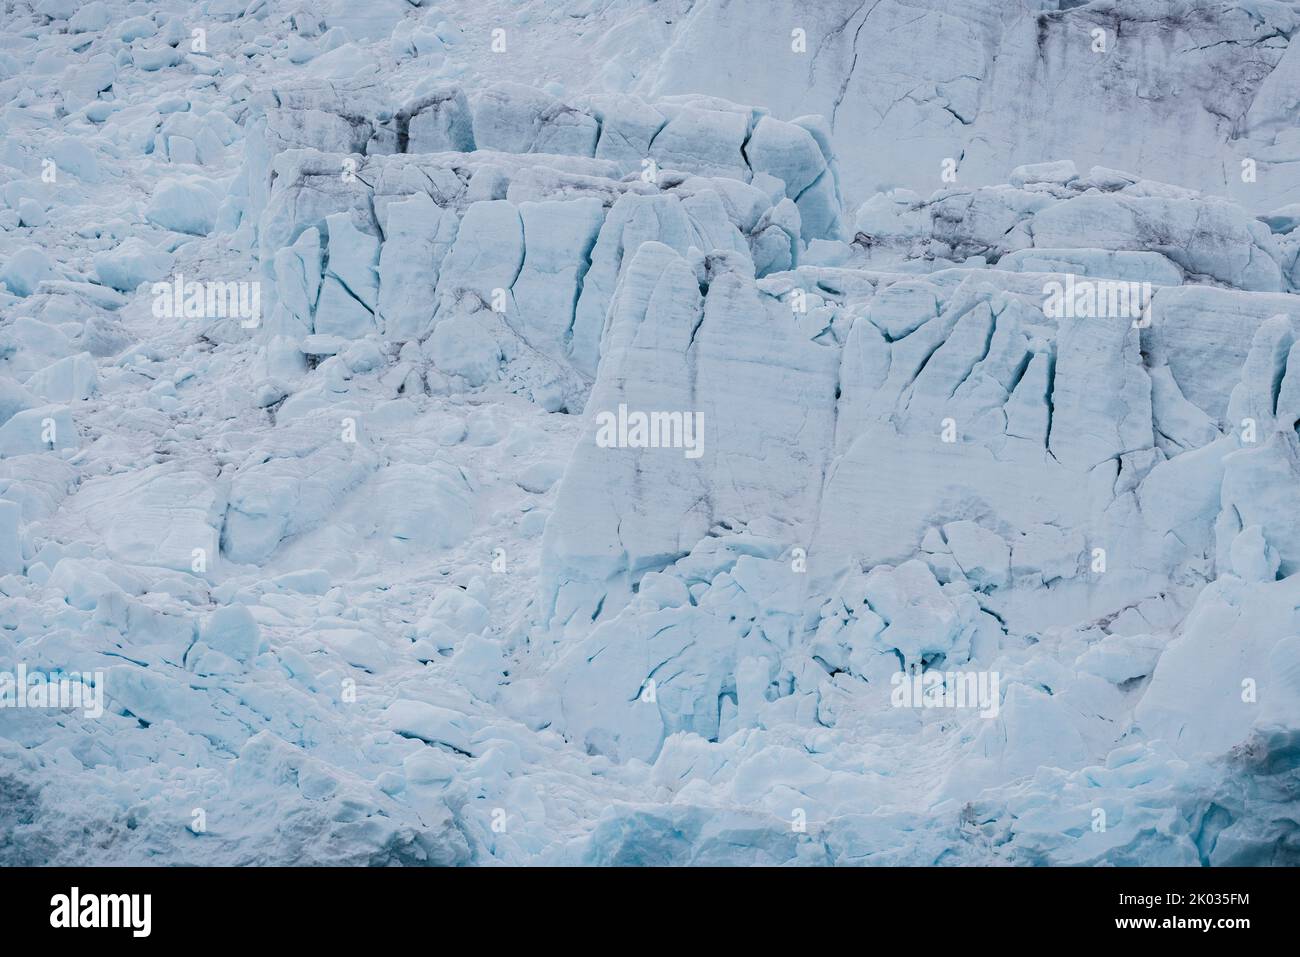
365 579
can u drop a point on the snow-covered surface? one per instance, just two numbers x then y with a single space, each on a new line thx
324 334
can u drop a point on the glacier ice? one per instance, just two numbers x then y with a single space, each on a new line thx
954 353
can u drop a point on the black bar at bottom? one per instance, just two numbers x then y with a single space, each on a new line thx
335 906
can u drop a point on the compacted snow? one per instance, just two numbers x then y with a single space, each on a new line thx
629 432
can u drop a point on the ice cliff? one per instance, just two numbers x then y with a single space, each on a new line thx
471 433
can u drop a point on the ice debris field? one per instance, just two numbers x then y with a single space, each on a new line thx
628 432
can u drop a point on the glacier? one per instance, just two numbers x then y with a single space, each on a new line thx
524 432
